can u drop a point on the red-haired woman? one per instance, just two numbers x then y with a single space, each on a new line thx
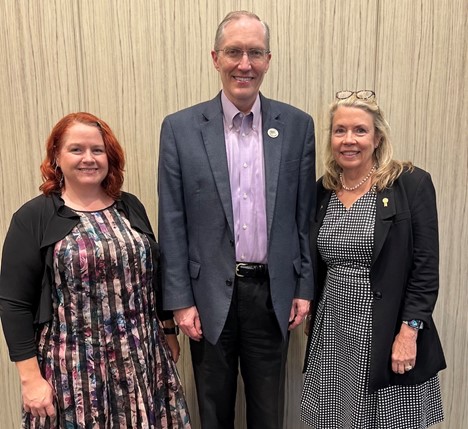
78 294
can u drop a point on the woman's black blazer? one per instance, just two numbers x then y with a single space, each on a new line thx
404 274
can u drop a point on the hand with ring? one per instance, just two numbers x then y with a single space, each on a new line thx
404 350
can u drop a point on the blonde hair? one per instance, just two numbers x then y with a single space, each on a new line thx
388 169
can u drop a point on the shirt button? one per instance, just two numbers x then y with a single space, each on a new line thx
244 196
228 282
244 226
245 165
377 295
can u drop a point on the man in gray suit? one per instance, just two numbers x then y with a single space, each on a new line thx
236 187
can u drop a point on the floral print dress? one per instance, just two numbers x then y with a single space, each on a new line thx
104 352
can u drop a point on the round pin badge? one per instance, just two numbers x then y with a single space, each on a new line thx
273 133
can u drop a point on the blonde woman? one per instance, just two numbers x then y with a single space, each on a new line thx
374 352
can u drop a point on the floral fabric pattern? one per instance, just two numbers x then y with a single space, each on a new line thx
104 352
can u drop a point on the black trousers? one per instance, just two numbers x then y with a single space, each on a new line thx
252 338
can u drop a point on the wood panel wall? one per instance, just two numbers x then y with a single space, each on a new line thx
132 62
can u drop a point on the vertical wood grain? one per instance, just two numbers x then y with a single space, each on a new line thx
134 62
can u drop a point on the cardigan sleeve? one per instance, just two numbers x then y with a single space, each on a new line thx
20 286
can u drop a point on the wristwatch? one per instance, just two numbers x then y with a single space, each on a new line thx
414 323
171 331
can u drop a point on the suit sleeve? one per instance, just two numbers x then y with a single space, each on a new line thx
305 204
172 233
423 281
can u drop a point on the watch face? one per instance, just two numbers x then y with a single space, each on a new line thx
414 323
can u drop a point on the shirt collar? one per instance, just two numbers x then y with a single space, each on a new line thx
230 111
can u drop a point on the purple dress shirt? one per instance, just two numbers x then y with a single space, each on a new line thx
244 149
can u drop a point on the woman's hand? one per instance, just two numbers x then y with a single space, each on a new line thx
37 393
171 339
404 350
38 398
174 346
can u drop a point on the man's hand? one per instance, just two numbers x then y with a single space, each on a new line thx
299 311
189 322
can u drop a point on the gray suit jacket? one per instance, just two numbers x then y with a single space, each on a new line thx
196 229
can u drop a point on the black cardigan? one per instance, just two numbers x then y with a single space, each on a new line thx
27 265
404 275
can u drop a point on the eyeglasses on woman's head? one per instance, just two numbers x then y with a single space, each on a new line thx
363 94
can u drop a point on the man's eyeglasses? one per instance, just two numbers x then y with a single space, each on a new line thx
363 94
236 54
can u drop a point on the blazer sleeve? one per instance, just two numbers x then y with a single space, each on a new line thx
20 286
423 281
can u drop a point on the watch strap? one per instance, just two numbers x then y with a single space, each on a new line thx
414 323
171 331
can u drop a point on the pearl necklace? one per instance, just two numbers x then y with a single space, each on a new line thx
353 188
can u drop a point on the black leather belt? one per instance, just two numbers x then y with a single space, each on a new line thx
250 270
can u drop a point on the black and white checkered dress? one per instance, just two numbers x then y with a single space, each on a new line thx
335 394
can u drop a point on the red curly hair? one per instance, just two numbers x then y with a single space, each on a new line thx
52 175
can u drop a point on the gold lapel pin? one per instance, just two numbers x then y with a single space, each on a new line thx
385 201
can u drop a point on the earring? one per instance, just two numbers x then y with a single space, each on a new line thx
56 174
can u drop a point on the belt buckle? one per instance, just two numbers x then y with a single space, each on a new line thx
240 264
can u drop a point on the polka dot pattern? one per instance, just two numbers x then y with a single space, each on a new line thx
335 394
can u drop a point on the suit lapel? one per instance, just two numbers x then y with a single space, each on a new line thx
385 211
273 139
212 130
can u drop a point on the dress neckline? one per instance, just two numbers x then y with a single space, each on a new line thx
92 211
372 190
